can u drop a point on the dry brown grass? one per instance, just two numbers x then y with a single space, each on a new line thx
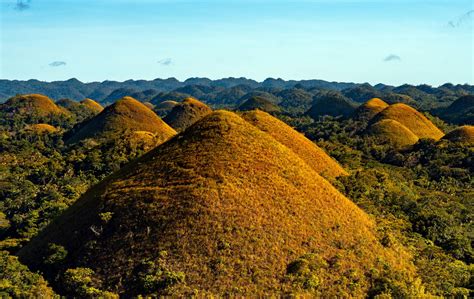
125 115
186 114
33 104
463 134
370 108
41 128
412 119
231 206
92 105
393 131
297 142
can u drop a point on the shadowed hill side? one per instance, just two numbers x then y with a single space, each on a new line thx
186 114
223 207
464 134
393 131
460 111
33 105
259 103
124 115
321 162
370 108
412 119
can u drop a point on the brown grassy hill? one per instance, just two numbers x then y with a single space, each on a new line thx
222 209
393 131
297 142
186 113
463 134
92 105
370 108
412 119
33 104
125 115
41 128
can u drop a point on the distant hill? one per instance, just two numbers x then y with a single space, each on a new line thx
460 111
224 207
307 150
260 103
331 103
32 105
231 92
295 100
463 134
411 119
362 93
125 115
394 132
186 114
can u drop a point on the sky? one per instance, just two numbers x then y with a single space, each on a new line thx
374 41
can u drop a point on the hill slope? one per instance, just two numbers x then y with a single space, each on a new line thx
186 113
223 208
125 115
412 119
321 162
393 131
464 134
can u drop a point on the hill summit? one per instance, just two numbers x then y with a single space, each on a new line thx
125 115
313 155
224 208
186 113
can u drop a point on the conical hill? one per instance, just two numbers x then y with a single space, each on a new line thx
92 105
186 113
223 207
35 105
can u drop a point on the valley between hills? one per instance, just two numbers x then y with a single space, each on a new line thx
234 187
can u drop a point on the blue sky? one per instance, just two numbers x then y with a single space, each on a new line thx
393 42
